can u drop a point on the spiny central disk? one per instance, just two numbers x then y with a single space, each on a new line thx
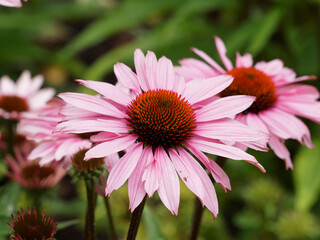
13 104
161 118
250 81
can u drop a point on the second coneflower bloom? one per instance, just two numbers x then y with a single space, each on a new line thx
278 96
163 124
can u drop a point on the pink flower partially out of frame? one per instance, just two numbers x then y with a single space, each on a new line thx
25 95
278 96
163 124
11 3
38 126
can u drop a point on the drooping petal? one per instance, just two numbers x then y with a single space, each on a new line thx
135 185
169 188
216 171
224 151
151 175
123 168
185 168
277 145
209 194
228 129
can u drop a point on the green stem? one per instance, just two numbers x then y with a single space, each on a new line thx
196 222
135 220
11 131
90 220
110 219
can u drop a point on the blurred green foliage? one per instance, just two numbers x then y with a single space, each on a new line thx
65 39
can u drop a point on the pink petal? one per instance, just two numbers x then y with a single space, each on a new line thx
185 168
194 68
224 107
221 48
11 3
111 160
151 69
224 151
209 197
103 137
7 86
253 121
244 61
108 90
216 171
201 89
91 103
84 126
23 83
110 147
209 60
305 108
41 97
271 68
298 92
165 74
127 77
284 125
135 185
277 145
151 175
228 129
169 189
140 65
123 169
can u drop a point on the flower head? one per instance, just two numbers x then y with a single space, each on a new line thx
23 96
39 126
163 125
31 225
278 96
30 174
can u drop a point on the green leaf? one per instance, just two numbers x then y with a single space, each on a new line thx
264 32
120 18
5 229
67 223
306 177
9 197
152 226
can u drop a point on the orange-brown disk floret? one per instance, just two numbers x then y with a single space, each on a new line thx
161 118
252 82
13 104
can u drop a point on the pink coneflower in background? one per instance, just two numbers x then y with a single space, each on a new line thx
30 174
39 126
23 96
11 3
278 97
31 225
162 125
